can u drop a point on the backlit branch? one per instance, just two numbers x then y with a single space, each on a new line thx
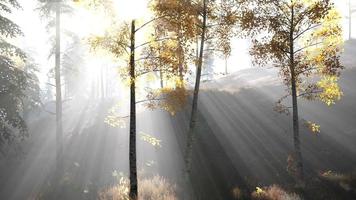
157 40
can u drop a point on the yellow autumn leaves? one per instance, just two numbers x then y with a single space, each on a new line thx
313 127
150 139
324 45
331 91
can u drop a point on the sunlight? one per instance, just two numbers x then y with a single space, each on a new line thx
94 23
133 9
177 99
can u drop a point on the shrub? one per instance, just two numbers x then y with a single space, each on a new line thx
155 188
273 192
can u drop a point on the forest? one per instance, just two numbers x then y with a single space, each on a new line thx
177 100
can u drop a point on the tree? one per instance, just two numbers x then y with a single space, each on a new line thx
216 24
178 18
16 82
143 59
303 39
48 9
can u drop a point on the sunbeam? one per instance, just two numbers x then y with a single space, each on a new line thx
177 100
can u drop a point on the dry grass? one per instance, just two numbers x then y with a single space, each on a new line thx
273 192
345 181
237 193
155 188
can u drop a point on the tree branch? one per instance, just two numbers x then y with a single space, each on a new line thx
146 72
157 40
306 30
148 22
309 93
143 101
301 49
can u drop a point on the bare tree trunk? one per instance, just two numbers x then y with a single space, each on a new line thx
161 78
194 112
102 82
97 86
350 20
160 70
132 148
297 147
107 91
180 69
226 66
59 127
180 58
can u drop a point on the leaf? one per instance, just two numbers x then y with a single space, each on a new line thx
331 91
150 139
314 128
259 190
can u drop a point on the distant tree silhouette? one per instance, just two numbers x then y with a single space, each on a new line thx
53 9
351 12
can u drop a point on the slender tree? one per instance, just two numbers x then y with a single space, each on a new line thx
303 39
350 13
53 9
216 24
59 111
350 19
121 42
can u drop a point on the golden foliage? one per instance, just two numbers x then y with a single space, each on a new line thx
115 41
303 39
313 127
331 91
113 119
150 139
171 99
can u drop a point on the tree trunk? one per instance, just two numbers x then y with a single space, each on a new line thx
350 20
161 78
132 148
180 58
107 90
181 77
160 69
102 82
226 66
59 128
194 112
297 148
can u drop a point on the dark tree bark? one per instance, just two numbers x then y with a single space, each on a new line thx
132 148
194 113
59 126
297 148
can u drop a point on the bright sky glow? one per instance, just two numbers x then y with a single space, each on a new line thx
132 9
86 23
